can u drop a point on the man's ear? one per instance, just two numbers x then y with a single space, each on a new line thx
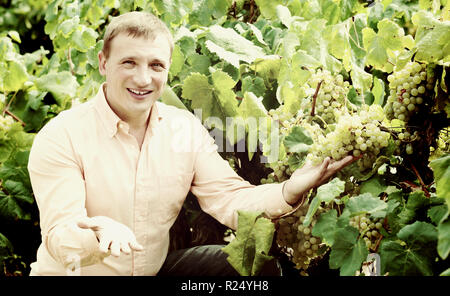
101 63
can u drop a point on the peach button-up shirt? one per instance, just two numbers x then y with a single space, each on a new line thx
84 163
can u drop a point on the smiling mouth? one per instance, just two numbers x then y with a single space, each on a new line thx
138 92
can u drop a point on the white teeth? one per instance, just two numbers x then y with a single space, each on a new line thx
138 92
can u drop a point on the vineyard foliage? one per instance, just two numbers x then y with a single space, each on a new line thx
319 71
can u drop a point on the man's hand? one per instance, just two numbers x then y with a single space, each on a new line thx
309 176
111 235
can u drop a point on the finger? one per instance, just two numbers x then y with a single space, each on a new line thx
115 248
324 166
136 246
125 248
342 163
104 245
87 223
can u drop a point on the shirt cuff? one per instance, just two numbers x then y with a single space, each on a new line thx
277 206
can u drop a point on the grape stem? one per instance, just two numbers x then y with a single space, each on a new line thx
15 117
315 98
427 194
69 57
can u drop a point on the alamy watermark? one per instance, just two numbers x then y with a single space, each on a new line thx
230 134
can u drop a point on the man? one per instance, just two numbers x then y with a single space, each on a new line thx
110 178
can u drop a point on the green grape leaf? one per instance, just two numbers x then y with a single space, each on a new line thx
366 203
197 89
11 203
331 190
416 257
16 75
232 47
268 8
252 110
6 248
268 68
61 85
347 252
15 168
30 108
254 85
252 107
432 38
83 38
177 60
204 10
437 213
443 246
248 252
441 171
326 226
378 91
375 186
68 26
298 140
379 45
169 97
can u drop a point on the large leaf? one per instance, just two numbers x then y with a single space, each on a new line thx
249 250
366 203
62 85
298 141
348 252
441 171
415 256
326 226
12 202
443 247
379 45
232 47
16 75
432 38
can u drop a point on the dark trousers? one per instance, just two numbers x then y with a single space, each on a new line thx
207 260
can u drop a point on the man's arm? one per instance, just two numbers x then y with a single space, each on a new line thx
221 192
309 176
59 189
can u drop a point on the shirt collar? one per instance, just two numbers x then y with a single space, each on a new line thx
110 119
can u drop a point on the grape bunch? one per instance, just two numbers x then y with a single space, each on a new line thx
408 91
296 240
6 123
369 228
331 96
354 134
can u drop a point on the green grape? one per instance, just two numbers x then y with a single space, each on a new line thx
296 240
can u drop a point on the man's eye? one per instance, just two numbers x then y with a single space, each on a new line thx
129 62
158 65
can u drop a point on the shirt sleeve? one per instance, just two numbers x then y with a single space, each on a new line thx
221 192
59 190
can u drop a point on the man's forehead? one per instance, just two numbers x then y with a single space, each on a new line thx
126 45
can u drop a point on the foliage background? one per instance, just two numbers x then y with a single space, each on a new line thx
48 62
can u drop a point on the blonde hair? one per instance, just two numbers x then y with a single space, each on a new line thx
135 24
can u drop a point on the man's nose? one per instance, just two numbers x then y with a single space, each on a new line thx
143 77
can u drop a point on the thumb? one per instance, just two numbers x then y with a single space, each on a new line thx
86 223
136 246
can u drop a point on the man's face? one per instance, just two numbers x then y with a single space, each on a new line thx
136 72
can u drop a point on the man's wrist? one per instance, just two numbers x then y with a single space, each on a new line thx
289 198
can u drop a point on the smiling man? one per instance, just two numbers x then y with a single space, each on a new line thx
109 181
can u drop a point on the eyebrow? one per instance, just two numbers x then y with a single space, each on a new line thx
137 58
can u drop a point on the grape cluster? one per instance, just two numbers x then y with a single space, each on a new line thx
369 228
296 240
355 134
331 96
6 123
408 91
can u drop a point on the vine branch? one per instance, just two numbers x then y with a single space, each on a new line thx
315 98
14 116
